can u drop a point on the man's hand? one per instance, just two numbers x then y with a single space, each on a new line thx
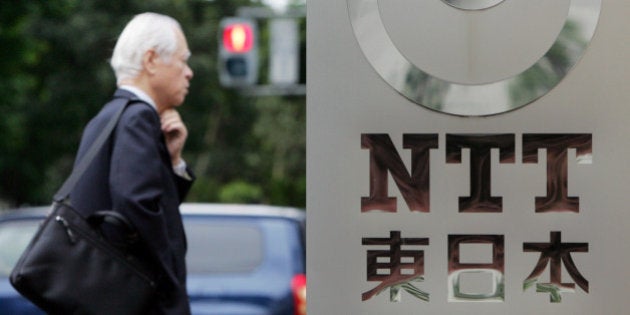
175 133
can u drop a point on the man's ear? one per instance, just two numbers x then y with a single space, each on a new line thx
150 60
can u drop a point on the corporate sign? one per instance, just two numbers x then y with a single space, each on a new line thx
468 157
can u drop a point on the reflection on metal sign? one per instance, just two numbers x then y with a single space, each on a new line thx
479 99
398 268
415 185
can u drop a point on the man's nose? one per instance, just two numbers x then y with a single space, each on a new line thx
189 73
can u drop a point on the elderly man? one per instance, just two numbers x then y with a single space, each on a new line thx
140 171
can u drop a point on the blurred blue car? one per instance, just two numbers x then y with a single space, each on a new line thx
16 230
242 259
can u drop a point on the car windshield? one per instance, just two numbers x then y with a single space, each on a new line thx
14 237
223 246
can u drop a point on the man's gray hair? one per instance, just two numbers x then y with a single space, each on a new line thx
144 32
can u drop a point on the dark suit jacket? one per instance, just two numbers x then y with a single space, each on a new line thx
133 174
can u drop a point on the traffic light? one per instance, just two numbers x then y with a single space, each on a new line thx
238 52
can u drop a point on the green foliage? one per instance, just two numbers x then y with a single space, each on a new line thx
55 77
544 75
240 192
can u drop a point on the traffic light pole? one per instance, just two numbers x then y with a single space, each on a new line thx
275 89
266 13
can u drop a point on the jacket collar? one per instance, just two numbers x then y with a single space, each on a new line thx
122 93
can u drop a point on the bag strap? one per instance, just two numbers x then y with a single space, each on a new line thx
96 146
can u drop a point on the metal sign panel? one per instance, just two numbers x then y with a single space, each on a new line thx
468 157
284 47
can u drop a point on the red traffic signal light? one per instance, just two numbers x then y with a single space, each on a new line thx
238 37
238 52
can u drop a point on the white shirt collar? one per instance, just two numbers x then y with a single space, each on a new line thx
140 94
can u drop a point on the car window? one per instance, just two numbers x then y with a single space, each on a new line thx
14 237
223 246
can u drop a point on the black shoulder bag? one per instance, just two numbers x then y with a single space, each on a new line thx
69 268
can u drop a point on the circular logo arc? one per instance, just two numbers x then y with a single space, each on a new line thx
483 99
